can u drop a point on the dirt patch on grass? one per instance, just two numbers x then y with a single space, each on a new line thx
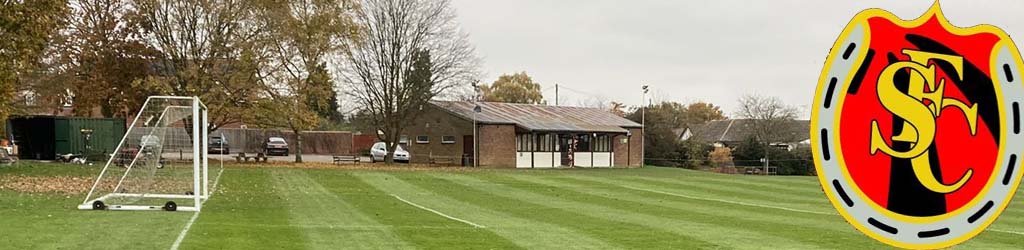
76 185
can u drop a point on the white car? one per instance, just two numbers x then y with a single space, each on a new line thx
379 150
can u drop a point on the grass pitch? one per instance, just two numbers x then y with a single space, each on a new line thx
288 208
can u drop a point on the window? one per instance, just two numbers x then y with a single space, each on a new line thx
583 143
525 142
546 143
448 139
536 143
422 139
404 139
603 143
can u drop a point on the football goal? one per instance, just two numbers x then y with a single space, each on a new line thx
160 163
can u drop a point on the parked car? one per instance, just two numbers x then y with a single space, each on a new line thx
380 149
219 145
150 143
276 146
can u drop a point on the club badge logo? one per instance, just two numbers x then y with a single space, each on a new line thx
916 127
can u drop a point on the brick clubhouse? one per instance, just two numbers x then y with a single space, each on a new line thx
523 136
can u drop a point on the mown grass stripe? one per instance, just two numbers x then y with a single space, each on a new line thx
309 203
620 234
688 189
777 195
768 231
245 196
520 231
718 191
419 228
704 231
786 181
437 212
718 209
799 191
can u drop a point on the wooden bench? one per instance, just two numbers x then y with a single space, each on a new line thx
242 157
442 160
338 159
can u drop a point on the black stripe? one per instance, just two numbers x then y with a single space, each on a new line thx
933 233
1016 118
859 76
883 226
1009 75
849 50
1009 169
828 95
981 212
842 193
824 145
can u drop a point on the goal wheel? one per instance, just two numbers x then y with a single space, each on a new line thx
98 205
171 206
189 193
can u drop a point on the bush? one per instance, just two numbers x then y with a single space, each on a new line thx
799 161
720 157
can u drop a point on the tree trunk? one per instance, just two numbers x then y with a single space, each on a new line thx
298 146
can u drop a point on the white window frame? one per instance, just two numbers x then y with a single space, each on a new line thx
443 141
418 141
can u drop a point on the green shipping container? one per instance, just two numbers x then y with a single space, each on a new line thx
45 137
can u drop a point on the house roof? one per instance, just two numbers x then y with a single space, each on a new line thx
736 130
540 117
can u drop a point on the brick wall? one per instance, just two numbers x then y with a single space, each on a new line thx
435 124
498 145
627 154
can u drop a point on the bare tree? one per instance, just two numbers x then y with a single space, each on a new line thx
411 51
771 119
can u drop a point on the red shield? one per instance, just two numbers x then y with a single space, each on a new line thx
916 127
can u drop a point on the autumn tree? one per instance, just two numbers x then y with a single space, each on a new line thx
770 118
301 36
699 112
206 48
26 28
98 57
514 88
410 51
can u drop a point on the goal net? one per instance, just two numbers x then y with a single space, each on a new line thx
160 163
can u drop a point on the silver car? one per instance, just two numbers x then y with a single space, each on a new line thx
380 149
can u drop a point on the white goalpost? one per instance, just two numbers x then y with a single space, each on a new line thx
161 162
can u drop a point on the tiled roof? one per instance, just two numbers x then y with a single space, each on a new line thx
541 117
736 130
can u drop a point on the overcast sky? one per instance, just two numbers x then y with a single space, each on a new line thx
712 51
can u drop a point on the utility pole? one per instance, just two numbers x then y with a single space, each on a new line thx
643 126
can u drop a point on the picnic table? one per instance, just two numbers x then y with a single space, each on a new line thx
242 157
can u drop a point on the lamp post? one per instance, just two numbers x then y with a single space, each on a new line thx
476 110
643 125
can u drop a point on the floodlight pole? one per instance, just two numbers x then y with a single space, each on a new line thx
643 126
476 109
